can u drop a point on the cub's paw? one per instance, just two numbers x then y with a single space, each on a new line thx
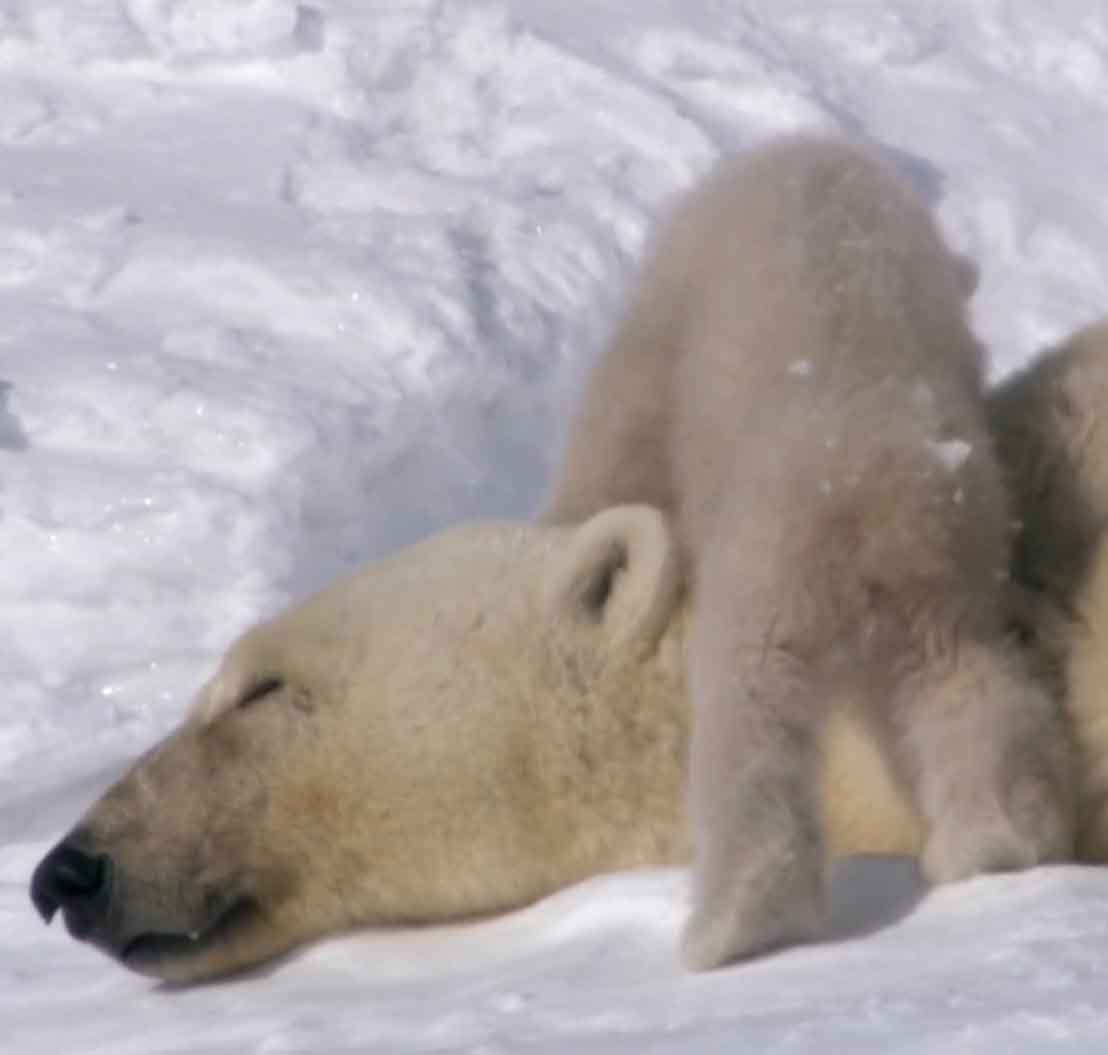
1037 827
953 853
753 917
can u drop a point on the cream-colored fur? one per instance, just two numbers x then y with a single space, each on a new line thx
500 711
460 729
795 380
479 720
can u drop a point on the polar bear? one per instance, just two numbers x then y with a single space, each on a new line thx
500 711
1050 423
478 720
475 722
483 718
796 382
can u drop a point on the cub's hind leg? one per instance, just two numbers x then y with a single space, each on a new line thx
983 750
758 706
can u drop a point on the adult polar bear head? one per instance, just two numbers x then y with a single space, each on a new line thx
452 731
483 718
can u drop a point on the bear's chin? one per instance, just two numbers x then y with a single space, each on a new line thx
180 957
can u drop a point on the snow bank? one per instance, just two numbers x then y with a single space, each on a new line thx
287 284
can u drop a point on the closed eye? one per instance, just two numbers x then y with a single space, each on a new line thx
260 689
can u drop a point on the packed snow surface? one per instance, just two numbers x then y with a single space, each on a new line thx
285 285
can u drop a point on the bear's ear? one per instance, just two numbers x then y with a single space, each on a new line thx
621 573
244 677
216 697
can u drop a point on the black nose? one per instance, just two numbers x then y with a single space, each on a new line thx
75 881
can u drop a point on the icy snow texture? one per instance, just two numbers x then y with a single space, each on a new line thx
286 285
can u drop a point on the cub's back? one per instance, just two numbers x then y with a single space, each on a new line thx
821 345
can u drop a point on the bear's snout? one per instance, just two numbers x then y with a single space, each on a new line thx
77 882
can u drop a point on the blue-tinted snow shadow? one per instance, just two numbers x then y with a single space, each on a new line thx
481 463
868 894
12 436
478 449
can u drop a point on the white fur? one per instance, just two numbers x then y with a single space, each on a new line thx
829 549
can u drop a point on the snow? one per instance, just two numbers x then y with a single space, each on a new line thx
285 285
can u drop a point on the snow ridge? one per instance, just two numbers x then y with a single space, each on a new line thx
287 284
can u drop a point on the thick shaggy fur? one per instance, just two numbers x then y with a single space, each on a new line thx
477 721
1051 427
796 382
501 711
460 729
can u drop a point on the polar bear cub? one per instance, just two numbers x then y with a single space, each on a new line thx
796 384
1051 435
